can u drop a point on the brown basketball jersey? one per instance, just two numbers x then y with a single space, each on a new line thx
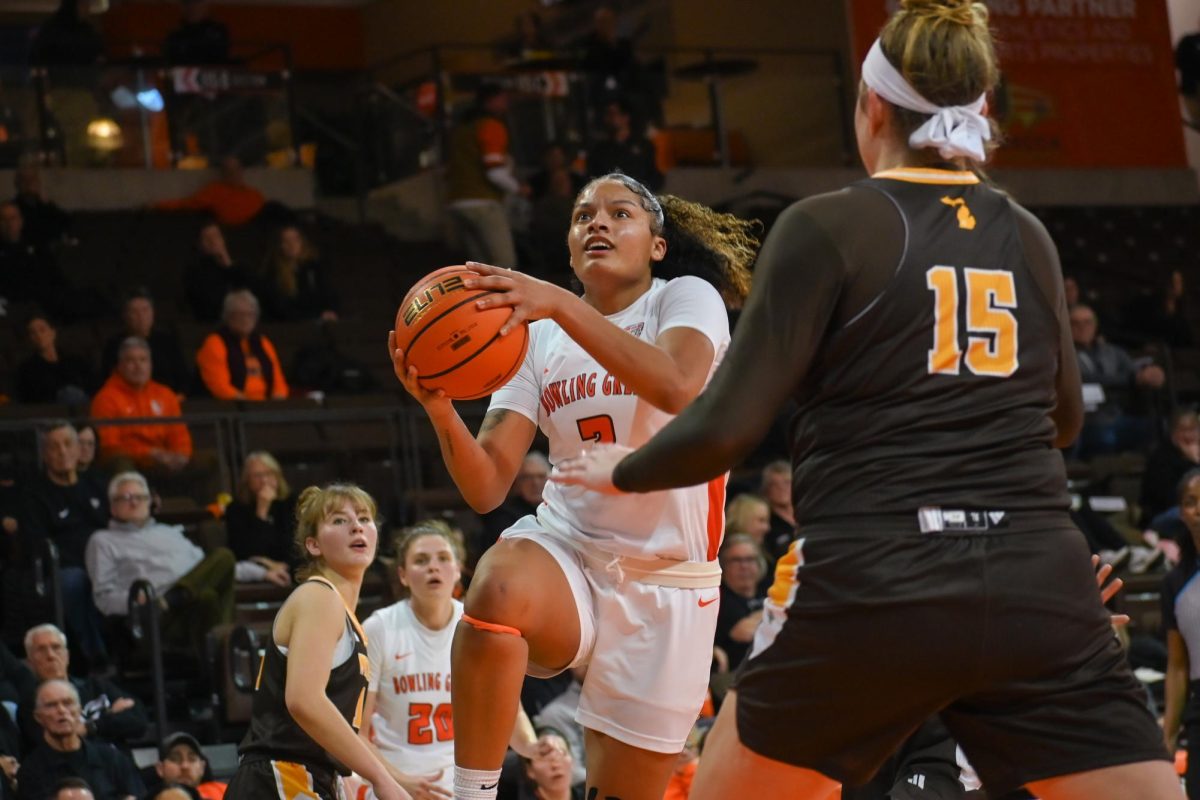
939 391
274 734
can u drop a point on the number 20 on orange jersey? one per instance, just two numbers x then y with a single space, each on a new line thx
991 327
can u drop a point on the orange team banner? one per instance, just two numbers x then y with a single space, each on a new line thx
1086 83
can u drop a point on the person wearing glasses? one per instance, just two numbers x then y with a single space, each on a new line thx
195 589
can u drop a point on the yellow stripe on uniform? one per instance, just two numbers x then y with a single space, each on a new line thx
293 781
783 589
926 175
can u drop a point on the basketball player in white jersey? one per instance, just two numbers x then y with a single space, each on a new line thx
627 586
408 699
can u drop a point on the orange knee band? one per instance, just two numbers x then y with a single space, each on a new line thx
490 627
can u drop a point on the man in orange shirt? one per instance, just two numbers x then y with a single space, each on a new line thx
236 361
229 198
129 393
480 180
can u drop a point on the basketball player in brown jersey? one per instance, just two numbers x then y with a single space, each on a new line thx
917 318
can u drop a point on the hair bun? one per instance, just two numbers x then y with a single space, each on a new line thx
959 12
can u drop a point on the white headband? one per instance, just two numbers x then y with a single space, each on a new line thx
954 130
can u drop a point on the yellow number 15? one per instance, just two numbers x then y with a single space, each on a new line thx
991 326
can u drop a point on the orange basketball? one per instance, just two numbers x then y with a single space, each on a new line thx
455 346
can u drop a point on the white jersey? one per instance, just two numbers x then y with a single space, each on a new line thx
565 391
410 673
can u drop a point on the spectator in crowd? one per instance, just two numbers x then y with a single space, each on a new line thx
1164 315
229 198
624 149
67 38
181 762
1110 379
680 786
1187 61
212 274
750 514
108 713
559 714
297 283
530 40
260 520
16 680
776 487
742 566
1168 463
49 375
195 590
1180 618
551 214
63 752
137 318
87 449
72 789
554 162
67 509
45 222
236 361
480 179
199 39
548 774
10 765
523 499
609 60
28 273
130 392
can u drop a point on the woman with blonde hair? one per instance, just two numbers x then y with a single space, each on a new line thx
312 683
917 319
298 285
259 522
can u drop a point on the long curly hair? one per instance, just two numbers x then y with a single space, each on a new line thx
716 247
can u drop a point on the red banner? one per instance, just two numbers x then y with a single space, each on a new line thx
1086 83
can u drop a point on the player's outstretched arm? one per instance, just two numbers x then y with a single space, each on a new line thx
796 286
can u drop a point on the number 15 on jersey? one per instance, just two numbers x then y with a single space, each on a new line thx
991 341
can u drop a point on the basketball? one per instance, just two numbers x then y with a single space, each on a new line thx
455 346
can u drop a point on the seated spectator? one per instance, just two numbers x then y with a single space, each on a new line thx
28 273
72 789
751 515
624 150
547 249
181 762
523 499
555 162
108 713
776 487
137 318
199 39
742 565
237 362
212 275
260 520
297 283
45 222
16 680
63 752
1111 379
66 509
229 198
546 776
195 590
174 791
1167 464
130 393
49 375
87 448
559 714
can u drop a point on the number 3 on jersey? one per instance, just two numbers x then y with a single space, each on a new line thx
598 429
991 327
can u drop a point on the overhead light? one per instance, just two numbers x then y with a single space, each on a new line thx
150 99
104 134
